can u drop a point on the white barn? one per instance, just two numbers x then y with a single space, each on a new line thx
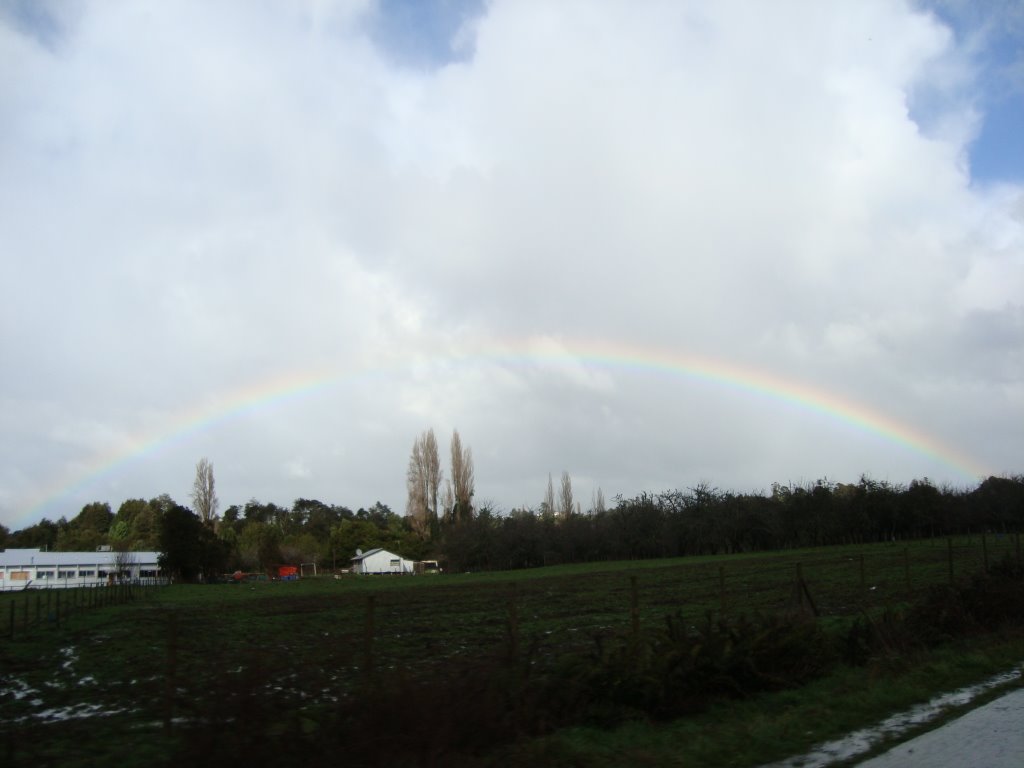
36 569
375 561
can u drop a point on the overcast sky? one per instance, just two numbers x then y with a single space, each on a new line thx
652 244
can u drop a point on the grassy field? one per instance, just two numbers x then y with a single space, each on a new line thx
130 682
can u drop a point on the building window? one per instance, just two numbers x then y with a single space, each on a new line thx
144 574
44 574
65 574
83 574
103 574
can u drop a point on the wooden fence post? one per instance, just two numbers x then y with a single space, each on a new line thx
634 607
170 674
12 619
368 636
801 594
56 613
721 588
513 625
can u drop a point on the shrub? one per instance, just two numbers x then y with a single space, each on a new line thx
989 601
681 668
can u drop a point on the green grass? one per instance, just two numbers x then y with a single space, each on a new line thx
183 653
774 726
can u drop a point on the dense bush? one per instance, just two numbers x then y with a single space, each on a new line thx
681 668
987 602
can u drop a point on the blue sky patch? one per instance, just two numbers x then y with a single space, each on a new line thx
33 18
997 154
423 33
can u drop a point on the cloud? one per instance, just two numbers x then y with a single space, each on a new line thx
297 469
201 200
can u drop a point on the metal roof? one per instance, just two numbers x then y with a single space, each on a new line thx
37 557
373 551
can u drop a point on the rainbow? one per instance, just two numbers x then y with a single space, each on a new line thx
540 354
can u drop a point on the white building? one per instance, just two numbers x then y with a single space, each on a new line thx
35 569
380 561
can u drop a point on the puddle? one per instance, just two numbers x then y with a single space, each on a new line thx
75 712
18 689
859 742
52 714
70 657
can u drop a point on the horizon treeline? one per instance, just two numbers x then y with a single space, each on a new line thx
702 520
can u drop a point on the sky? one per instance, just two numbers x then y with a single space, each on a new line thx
649 244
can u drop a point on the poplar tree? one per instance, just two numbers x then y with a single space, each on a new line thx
548 506
565 505
423 482
204 497
461 480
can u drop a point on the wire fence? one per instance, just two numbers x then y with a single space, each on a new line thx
826 582
328 644
50 608
564 612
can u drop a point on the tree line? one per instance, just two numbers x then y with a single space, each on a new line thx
707 521
250 537
442 522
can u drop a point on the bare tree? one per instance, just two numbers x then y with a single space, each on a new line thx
597 503
548 506
123 562
423 483
462 480
565 502
416 504
204 497
448 501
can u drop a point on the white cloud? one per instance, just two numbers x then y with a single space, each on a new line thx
197 200
297 469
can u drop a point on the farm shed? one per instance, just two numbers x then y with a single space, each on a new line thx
36 569
380 561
